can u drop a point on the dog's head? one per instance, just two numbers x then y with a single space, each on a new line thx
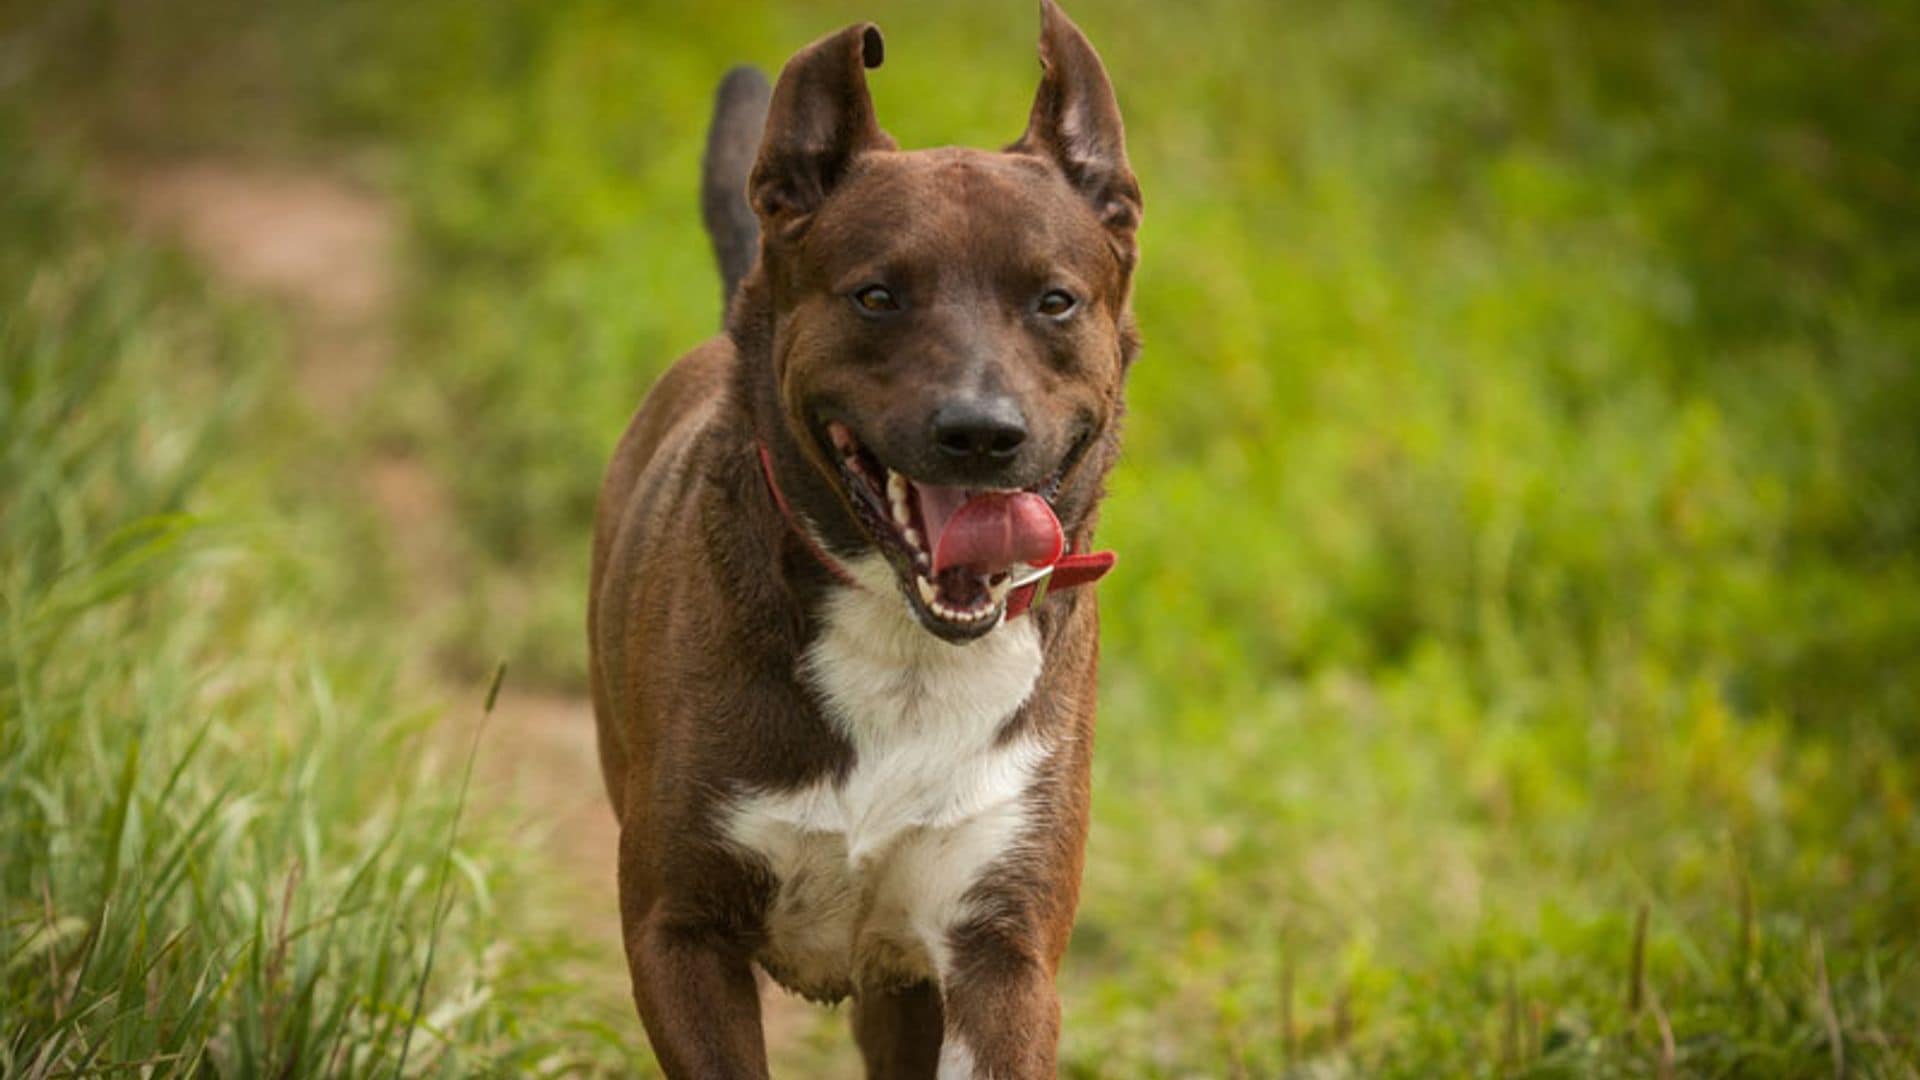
951 327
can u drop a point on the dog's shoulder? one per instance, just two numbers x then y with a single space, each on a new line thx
684 399
659 441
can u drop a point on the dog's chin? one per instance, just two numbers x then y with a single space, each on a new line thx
953 631
957 604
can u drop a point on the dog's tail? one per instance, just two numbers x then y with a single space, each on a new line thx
733 141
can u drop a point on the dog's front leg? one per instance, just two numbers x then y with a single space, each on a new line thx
700 1005
1002 1012
694 986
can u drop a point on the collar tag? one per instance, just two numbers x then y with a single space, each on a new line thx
1030 588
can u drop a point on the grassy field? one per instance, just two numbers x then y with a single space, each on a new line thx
228 840
1514 665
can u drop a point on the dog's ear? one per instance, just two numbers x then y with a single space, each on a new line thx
1076 123
820 121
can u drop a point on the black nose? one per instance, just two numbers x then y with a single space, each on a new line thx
979 429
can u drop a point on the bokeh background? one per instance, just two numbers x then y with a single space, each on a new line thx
1514 663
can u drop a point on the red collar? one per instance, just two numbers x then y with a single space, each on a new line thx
1068 572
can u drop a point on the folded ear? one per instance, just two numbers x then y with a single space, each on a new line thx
1076 122
820 120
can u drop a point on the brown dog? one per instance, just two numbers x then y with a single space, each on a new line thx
846 729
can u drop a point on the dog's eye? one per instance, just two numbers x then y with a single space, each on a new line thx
1056 304
876 300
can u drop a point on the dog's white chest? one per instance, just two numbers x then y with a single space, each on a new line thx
873 870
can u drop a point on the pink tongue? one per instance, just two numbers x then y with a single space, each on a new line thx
989 532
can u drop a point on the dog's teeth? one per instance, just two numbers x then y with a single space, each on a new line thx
897 492
930 593
913 536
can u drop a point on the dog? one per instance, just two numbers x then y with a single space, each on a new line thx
842 632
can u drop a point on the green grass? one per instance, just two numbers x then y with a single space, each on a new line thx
1519 518
226 848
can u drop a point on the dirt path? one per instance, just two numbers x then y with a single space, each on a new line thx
328 253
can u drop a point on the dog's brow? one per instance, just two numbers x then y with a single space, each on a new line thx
869 272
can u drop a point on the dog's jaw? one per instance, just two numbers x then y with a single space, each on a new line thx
895 513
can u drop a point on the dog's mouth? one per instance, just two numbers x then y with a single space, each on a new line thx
958 551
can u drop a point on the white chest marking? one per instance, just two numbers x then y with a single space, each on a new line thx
873 870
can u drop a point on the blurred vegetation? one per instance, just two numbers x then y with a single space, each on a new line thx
1521 505
228 846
